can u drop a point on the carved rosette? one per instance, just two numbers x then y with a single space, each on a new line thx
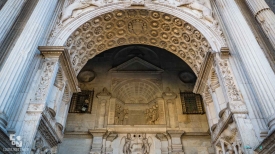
123 27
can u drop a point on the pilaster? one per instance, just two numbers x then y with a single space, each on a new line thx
104 98
176 144
97 145
164 142
170 98
37 106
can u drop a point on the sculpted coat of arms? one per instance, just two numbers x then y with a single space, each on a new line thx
137 26
136 144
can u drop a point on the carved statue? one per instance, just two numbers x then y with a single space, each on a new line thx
152 115
125 121
121 117
127 145
117 114
145 145
76 5
199 5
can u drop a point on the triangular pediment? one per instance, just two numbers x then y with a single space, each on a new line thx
136 64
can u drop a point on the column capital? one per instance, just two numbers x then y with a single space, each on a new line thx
51 51
98 132
168 94
104 94
65 61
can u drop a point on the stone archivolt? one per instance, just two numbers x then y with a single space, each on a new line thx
123 27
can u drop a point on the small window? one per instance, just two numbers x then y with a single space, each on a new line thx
191 103
82 102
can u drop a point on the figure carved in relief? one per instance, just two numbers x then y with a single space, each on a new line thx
200 6
76 5
127 145
126 112
117 114
152 115
145 145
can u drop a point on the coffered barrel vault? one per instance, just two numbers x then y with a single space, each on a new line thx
139 26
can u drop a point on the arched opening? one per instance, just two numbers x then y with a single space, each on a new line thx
143 30
137 90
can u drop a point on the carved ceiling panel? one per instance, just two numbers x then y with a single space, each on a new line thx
124 27
136 90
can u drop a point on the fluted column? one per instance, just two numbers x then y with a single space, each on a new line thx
8 15
17 63
250 54
264 16
41 94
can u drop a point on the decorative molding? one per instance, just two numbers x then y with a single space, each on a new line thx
146 66
48 132
221 125
204 73
61 53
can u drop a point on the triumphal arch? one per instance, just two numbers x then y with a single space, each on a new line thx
137 77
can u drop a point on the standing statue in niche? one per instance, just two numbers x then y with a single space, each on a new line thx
199 5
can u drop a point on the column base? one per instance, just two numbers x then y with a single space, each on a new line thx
271 124
3 123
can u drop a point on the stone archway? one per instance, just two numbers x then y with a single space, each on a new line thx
139 26
178 32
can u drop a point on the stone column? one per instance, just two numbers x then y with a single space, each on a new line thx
264 16
170 98
17 63
8 16
251 57
97 144
164 142
104 97
176 144
37 105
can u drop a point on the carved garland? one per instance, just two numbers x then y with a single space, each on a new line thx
137 27
233 92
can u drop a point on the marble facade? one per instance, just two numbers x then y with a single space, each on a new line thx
123 51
